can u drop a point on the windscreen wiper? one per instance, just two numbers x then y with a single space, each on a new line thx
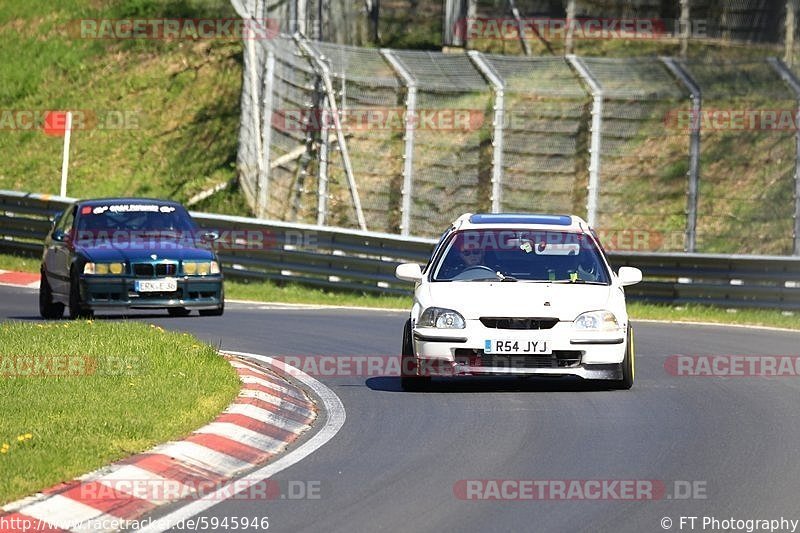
578 280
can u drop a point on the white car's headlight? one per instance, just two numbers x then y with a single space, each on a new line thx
597 320
437 317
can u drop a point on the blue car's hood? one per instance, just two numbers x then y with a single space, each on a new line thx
107 251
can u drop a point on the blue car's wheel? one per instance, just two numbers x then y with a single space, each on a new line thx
48 309
77 309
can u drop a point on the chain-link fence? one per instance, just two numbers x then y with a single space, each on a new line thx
659 154
693 21
639 155
450 160
746 197
544 135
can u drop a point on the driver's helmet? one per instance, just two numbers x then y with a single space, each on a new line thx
587 264
469 250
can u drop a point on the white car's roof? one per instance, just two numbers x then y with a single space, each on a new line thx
520 220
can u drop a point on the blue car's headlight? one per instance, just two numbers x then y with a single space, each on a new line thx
438 317
200 268
102 269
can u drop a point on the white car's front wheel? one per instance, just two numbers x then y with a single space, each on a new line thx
628 364
409 380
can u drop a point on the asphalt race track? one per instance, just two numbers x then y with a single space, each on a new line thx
395 463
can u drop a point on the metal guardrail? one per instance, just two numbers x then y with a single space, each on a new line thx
251 248
365 261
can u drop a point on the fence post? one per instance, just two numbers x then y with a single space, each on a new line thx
499 123
789 29
454 23
322 172
262 189
337 124
526 48
255 113
792 81
569 42
686 27
408 154
694 150
594 145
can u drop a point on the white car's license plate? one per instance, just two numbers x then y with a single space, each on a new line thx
156 285
518 347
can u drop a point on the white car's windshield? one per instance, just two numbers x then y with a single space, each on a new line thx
521 255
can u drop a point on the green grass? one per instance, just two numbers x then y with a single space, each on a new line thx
301 294
179 101
18 263
182 100
296 293
135 386
705 313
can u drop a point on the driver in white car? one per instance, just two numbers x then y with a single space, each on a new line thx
587 267
470 254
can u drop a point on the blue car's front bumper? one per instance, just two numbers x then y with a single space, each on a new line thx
119 291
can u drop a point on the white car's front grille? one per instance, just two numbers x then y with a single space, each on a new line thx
559 359
518 322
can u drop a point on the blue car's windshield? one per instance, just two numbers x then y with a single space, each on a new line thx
94 220
521 255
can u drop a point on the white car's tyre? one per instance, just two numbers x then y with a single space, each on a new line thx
628 364
409 380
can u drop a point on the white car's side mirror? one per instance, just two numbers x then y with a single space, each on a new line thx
408 272
629 276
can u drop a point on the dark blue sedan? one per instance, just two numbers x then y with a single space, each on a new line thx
129 253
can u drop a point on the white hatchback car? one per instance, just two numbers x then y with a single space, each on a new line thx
514 294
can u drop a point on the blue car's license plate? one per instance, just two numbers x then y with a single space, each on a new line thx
156 285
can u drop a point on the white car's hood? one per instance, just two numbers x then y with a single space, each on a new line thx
516 299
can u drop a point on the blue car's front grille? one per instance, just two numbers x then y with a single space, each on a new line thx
143 269
149 270
166 269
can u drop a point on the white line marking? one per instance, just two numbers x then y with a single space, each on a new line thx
709 324
281 306
334 422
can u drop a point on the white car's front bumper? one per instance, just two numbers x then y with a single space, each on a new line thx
582 353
